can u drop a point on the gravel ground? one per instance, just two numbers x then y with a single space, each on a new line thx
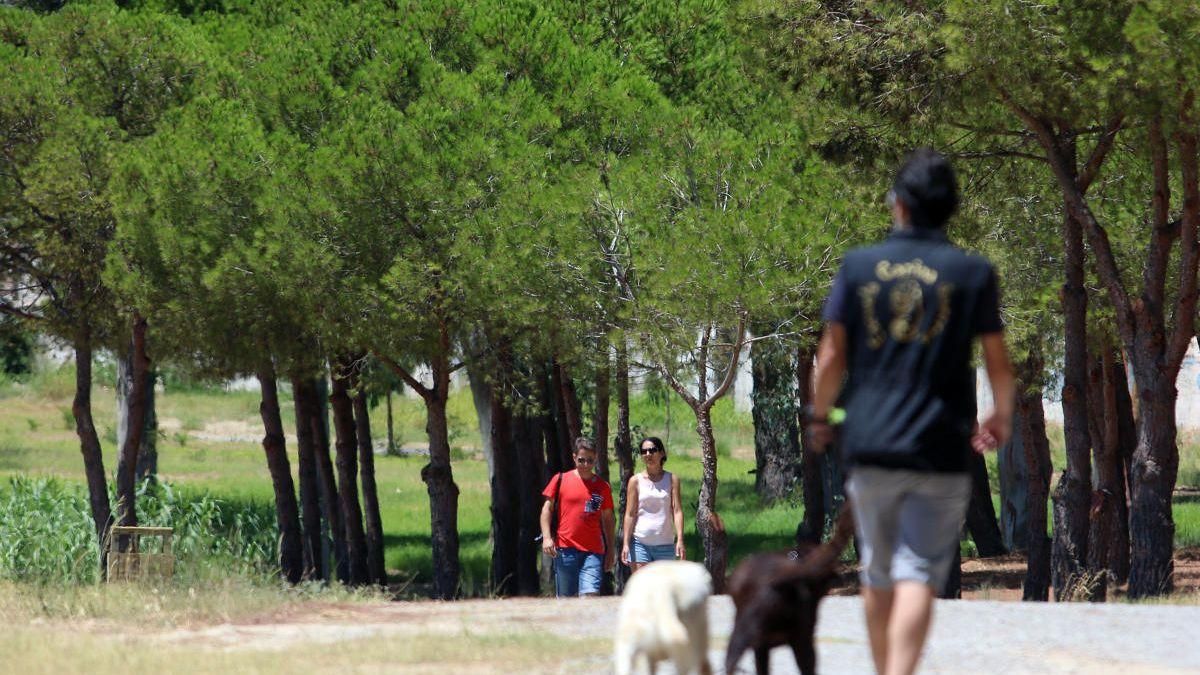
979 636
1010 638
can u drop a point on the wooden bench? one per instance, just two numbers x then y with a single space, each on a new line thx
134 565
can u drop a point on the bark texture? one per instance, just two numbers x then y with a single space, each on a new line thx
346 450
812 458
147 458
528 444
777 456
1032 431
1014 490
335 540
506 498
981 514
443 499
1072 497
710 526
1155 328
287 514
376 569
89 441
304 394
128 458
600 420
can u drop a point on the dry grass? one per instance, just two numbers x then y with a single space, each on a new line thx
244 628
60 649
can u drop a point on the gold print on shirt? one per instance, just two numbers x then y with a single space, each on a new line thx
906 302
908 309
867 294
887 271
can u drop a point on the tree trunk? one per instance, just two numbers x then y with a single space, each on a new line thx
304 394
571 410
776 420
623 442
708 523
287 514
981 514
558 455
1032 431
1014 491
811 473
505 496
623 446
335 540
127 460
376 567
1155 468
1072 497
1109 533
1155 347
443 496
346 450
391 439
528 446
147 459
89 441
600 421
1118 557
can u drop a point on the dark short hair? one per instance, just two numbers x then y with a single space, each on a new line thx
927 186
657 443
583 443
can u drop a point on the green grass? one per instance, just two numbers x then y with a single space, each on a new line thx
35 440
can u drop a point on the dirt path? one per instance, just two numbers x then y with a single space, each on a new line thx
969 636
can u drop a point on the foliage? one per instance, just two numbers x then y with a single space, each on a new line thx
45 525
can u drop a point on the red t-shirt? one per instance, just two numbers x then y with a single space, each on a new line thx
579 508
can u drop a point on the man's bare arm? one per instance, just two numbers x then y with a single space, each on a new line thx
830 370
996 428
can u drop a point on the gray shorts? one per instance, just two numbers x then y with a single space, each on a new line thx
907 522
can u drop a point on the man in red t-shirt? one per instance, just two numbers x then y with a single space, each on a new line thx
583 549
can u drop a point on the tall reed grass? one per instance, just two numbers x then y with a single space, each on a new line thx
47 536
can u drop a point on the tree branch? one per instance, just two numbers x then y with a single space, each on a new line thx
1106 264
731 370
425 392
1158 249
1184 324
1092 168
6 308
687 397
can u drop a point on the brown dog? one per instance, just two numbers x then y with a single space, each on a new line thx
776 596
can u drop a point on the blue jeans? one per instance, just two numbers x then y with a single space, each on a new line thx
577 572
648 554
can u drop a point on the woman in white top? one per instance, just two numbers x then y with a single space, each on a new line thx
653 528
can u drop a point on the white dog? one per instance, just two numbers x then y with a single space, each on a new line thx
663 616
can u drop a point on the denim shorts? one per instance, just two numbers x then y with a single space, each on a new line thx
577 572
648 554
907 523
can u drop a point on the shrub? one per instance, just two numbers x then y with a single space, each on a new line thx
46 532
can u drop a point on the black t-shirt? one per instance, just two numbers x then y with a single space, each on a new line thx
912 307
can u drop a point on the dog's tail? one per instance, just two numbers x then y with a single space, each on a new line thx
823 559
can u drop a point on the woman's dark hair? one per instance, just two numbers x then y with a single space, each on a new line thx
927 186
657 443
583 443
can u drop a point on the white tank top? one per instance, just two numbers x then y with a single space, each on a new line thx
655 520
